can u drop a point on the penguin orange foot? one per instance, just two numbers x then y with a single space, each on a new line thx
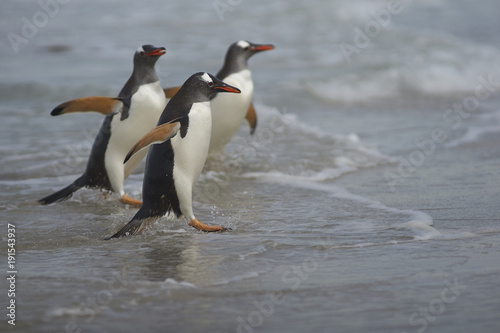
204 227
125 199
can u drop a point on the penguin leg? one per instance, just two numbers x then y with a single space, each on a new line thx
203 227
115 170
251 117
125 199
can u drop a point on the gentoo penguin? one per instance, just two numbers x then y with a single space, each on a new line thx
228 110
130 116
175 161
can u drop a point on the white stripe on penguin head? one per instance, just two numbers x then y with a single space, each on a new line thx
207 78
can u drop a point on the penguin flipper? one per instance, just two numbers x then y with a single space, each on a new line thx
100 104
171 91
158 134
251 117
133 227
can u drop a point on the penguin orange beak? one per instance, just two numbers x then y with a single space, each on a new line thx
220 86
158 52
262 47
228 88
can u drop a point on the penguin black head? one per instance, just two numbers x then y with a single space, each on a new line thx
198 88
238 54
144 67
204 86
148 55
245 49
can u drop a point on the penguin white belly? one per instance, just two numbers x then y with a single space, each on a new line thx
146 106
229 110
190 154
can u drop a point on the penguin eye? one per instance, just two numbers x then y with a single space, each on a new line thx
210 84
246 48
142 53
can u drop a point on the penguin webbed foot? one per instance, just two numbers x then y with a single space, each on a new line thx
207 228
125 199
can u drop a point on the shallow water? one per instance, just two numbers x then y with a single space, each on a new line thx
363 203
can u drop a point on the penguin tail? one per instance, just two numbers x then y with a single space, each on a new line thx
63 194
133 227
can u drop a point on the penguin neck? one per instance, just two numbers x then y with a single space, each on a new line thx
144 75
177 108
232 65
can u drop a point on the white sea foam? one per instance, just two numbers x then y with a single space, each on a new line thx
338 153
76 311
472 135
418 220
423 64
486 123
424 231
236 278
349 141
259 250
172 283
325 174
152 288
420 224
